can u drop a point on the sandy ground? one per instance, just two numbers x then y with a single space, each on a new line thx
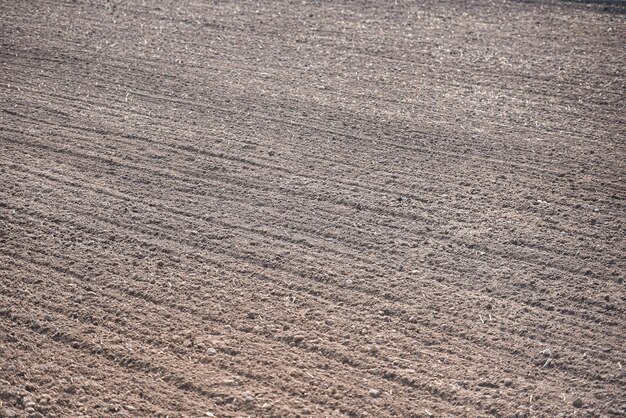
259 209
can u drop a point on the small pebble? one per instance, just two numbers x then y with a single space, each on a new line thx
27 400
578 403
375 393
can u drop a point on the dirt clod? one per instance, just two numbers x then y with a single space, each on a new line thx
72 389
9 413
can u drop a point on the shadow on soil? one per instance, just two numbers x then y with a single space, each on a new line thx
602 6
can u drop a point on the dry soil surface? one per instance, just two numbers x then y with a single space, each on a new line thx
237 209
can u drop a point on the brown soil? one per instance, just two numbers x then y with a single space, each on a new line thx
312 209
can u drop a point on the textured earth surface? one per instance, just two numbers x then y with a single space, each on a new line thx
259 209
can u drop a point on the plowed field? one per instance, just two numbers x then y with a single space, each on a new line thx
294 209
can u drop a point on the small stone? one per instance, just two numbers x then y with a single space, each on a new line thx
211 351
375 393
129 408
160 263
508 382
578 403
231 382
26 400
208 414
48 318
71 389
